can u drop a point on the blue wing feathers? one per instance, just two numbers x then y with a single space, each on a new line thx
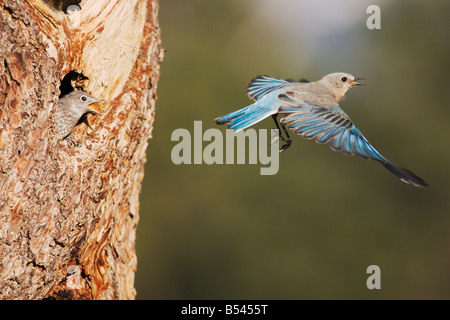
310 126
347 144
404 175
315 131
262 85
330 125
306 122
327 135
360 149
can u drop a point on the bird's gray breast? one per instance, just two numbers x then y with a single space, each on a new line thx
66 118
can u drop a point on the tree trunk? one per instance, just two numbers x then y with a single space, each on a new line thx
68 214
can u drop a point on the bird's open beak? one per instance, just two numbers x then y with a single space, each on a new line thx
356 83
93 110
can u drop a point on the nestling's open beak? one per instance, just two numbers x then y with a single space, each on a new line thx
93 110
356 83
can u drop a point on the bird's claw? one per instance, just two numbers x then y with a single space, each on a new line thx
70 139
286 145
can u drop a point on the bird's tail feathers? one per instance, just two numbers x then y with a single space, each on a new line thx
404 175
244 118
228 117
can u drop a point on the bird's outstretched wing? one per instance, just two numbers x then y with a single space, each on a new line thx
262 85
330 124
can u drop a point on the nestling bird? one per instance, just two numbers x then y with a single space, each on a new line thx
311 109
71 108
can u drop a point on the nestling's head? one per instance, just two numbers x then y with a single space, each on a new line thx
82 101
341 82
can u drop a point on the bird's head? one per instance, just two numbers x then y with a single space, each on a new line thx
341 82
82 101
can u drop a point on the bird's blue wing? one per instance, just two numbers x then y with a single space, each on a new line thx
262 85
329 125
332 125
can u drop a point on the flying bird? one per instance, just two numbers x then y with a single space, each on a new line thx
311 109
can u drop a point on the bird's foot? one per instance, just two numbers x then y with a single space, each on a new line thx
70 139
286 145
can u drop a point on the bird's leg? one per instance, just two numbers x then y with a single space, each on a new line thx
288 139
274 117
70 139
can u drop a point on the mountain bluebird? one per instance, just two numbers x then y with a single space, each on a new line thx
311 109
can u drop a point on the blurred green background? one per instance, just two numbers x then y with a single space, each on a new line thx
310 231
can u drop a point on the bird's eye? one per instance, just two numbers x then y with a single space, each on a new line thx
83 98
344 79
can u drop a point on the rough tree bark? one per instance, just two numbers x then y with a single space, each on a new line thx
68 215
